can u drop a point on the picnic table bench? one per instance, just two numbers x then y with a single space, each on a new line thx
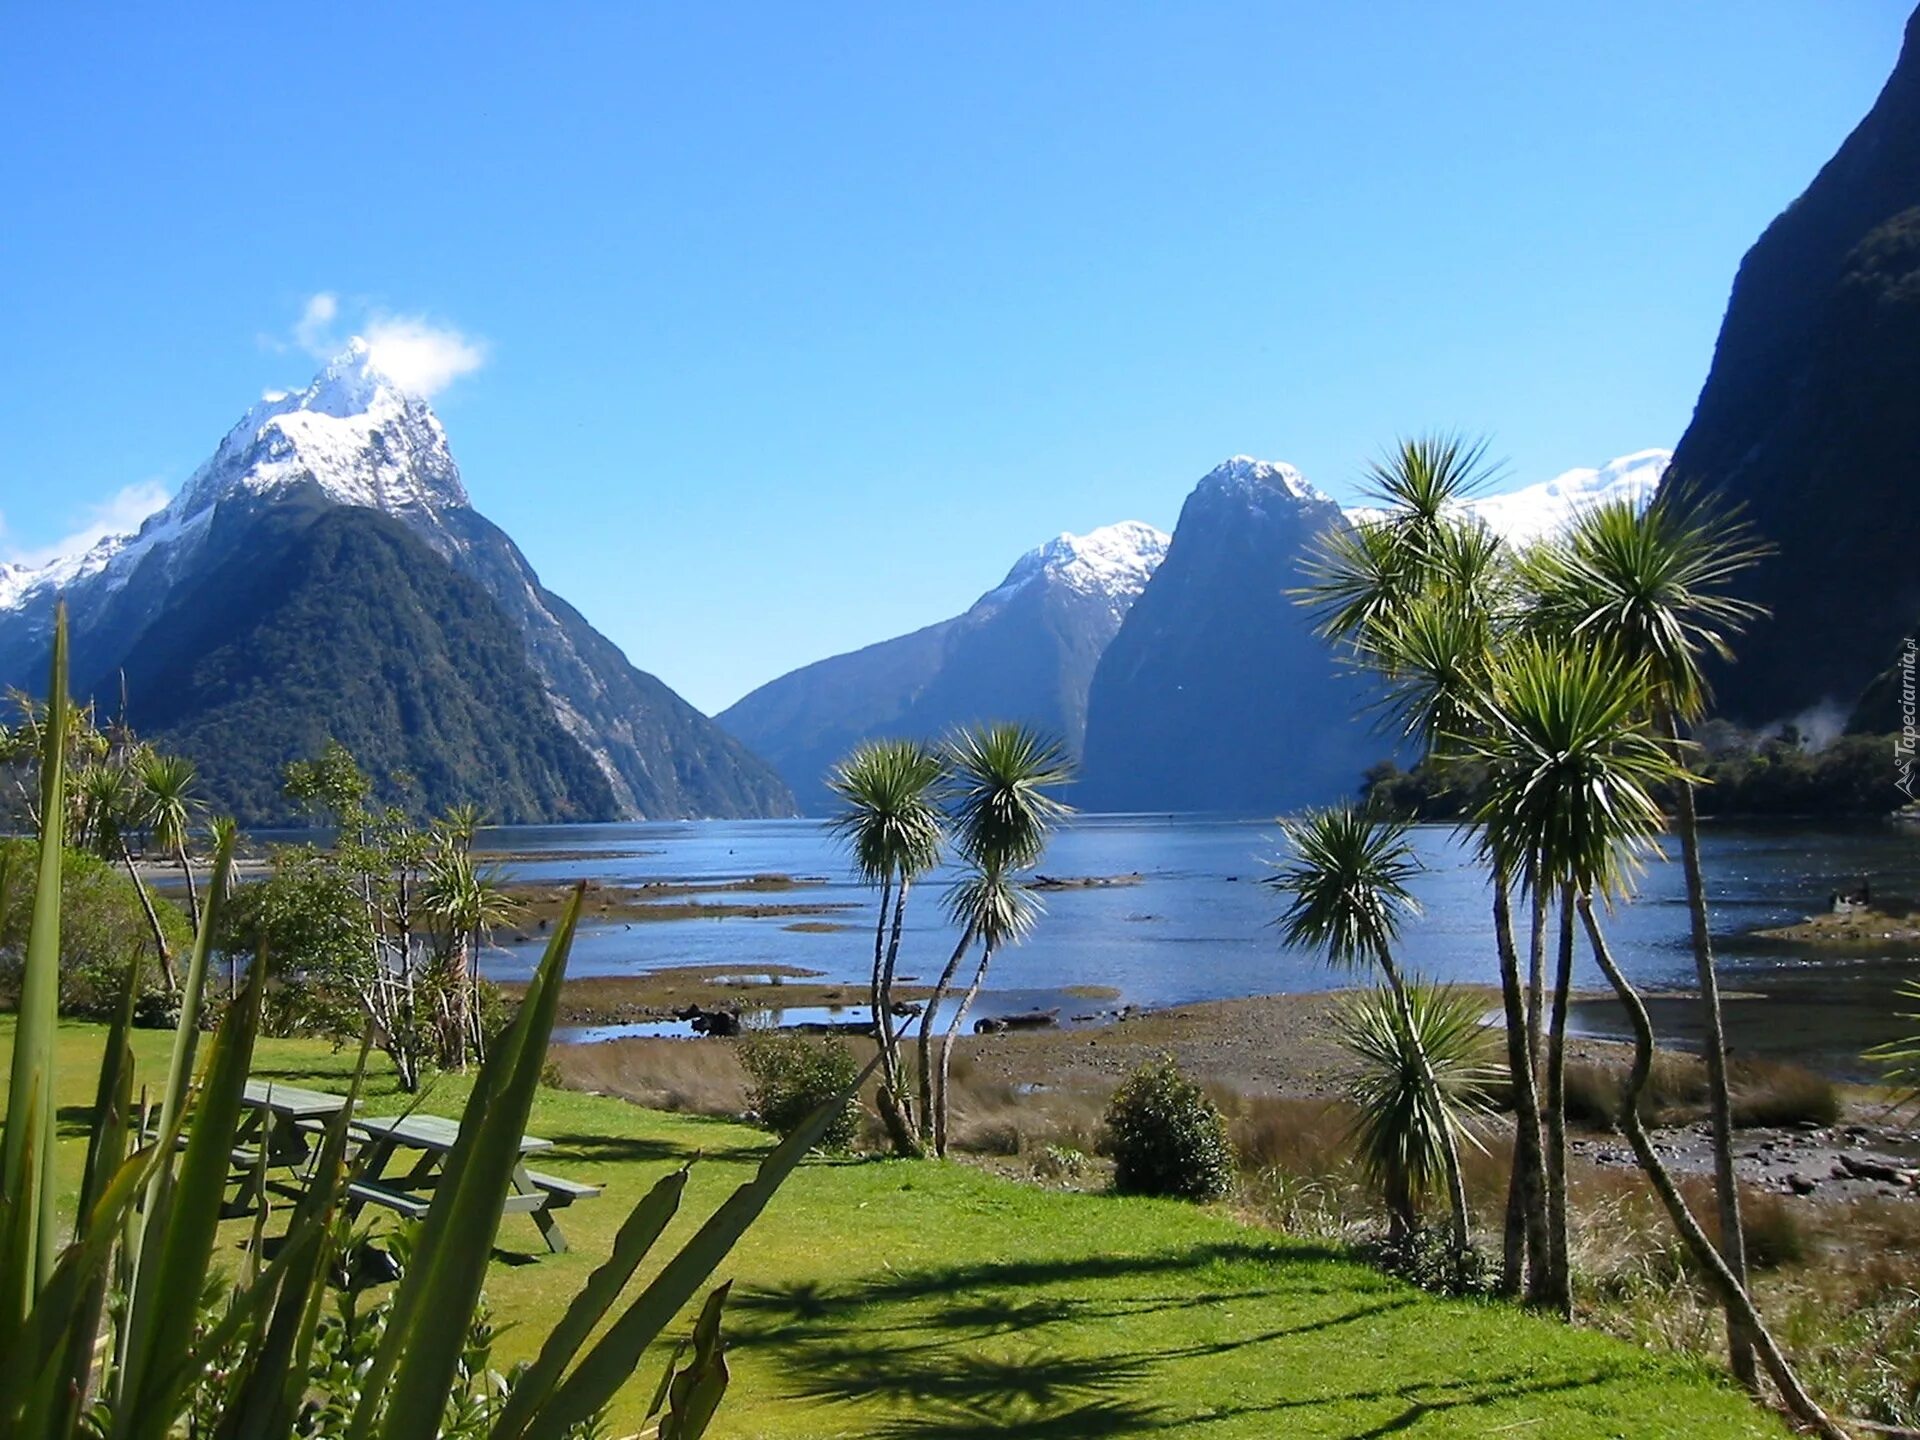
382 1137
282 1120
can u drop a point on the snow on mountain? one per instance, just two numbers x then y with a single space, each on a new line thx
1535 511
357 439
353 432
1114 562
1244 473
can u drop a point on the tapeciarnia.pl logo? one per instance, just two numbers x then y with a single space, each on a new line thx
1903 747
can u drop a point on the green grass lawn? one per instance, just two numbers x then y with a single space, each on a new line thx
926 1299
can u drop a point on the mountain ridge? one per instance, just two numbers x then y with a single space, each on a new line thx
1024 650
354 439
1807 421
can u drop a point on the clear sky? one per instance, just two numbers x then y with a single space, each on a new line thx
773 331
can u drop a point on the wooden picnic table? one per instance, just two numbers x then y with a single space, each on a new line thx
384 1136
280 1120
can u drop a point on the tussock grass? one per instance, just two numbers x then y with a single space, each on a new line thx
1764 1093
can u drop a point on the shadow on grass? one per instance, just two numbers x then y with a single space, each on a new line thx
1428 1398
989 1348
642 1150
1015 1347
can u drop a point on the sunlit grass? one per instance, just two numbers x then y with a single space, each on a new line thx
929 1299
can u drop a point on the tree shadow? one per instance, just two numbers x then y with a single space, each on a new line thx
1016 1346
637 1150
1426 1398
987 1348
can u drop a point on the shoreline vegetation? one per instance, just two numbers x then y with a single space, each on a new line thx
1829 1181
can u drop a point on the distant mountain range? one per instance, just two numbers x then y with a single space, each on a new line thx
1534 512
325 574
1810 420
1166 681
1025 650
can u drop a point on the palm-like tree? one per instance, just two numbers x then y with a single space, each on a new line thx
107 809
166 805
467 903
1401 1125
1424 595
1653 585
1000 778
1570 801
890 818
461 824
1346 880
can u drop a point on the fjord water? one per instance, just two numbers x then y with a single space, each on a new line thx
1199 923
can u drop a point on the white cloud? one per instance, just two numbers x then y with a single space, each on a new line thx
415 352
119 514
419 355
312 332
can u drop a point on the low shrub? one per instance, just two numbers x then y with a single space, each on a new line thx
1060 1164
1592 1095
1768 1092
1775 1233
1764 1092
102 926
1167 1138
791 1076
1676 1091
1426 1257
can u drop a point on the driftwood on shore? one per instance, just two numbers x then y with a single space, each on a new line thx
1032 1020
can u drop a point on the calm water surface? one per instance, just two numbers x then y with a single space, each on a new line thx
1199 925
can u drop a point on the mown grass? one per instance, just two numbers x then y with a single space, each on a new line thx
931 1300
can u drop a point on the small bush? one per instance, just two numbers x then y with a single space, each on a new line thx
1425 1257
1060 1164
1676 1092
791 1076
1774 1232
1764 1093
1167 1138
1001 1137
103 926
1767 1092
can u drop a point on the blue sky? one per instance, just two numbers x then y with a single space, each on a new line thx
788 327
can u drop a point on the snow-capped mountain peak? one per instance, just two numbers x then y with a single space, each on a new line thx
352 431
1114 562
1246 474
1533 512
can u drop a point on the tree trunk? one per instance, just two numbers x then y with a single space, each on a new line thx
880 941
1537 976
894 1118
459 974
941 988
193 890
1401 1218
1450 1148
1713 1042
1526 1226
1733 1294
167 977
1560 1264
940 1107
883 1029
